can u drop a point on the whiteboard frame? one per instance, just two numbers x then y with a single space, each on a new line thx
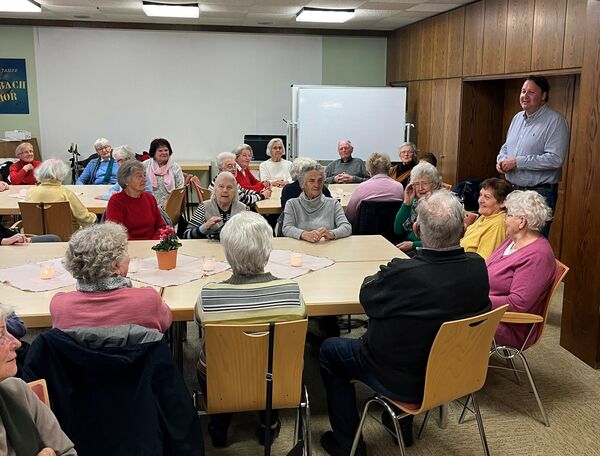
294 127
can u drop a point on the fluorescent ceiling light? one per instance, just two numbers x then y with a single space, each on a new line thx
20 6
171 10
308 14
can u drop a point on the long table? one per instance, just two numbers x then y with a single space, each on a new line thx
9 205
330 291
273 204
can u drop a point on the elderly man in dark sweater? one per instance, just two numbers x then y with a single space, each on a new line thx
346 170
407 301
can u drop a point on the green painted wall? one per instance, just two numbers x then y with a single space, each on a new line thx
354 61
17 43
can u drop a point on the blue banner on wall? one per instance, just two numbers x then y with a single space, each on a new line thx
13 87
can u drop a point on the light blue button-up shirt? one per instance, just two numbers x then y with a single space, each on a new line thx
539 142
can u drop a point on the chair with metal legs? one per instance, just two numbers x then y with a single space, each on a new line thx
457 367
538 324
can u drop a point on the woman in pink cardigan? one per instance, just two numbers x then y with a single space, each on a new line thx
97 257
521 270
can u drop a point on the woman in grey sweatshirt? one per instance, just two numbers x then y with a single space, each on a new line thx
312 216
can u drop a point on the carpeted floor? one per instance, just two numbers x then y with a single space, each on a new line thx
570 391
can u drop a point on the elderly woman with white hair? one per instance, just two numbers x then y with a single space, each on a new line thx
408 160
424 179
293 190
21 171
121 154
50 174
27 425
134 208
380 187
276 169
210 216
521 270
247 240
226 162
97 258
312 216
101 170
243 157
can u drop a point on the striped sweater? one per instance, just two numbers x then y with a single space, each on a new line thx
246 196
250 299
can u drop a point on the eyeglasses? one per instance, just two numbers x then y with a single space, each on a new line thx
420 184
103 148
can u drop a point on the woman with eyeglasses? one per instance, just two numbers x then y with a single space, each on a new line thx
400 171
101 170
424 179
243 157
521 270
27 426
21 171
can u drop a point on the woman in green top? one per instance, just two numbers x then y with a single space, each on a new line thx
424 179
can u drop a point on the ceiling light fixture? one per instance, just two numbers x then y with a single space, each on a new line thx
308 14
20 6
190 10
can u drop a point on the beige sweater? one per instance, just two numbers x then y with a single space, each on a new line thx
45 421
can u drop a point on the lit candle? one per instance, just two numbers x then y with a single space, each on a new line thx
209 264
47 272
134 265
296 259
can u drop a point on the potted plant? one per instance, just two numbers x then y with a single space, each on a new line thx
166 249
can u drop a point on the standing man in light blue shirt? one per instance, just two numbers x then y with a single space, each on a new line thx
536 144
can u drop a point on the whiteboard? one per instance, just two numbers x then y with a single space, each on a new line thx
372 118
202 91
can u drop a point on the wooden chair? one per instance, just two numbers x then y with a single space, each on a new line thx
237 371
470 218
174 205
40 389
538 324
47 218
457 367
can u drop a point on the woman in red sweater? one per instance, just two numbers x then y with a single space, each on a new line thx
21 172
134 208
243 157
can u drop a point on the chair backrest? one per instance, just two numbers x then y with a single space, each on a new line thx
458 361
236 365
377 217
40 389
470 218
47 218
559 274
174 204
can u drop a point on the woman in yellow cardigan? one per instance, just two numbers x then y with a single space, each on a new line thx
488 231
50 174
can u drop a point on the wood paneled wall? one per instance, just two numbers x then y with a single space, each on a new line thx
506 39
490 37
580 328
434 106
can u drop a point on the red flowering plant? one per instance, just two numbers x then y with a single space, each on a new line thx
168 240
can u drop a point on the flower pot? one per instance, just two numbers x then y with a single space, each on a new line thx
167 260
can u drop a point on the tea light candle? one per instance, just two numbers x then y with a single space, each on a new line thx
296 259
209 264
47 272
134 265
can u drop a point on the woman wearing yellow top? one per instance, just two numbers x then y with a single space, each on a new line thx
488 231
50 174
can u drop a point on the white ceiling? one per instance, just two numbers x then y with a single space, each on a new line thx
378 15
